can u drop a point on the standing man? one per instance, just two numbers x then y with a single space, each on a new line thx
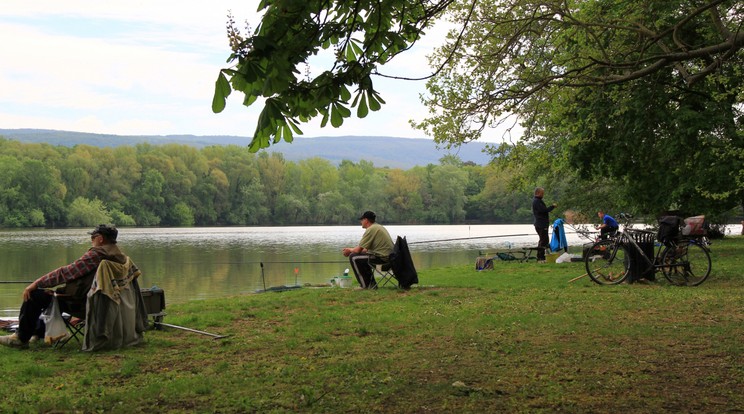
374 248
540 211
77 277
609 225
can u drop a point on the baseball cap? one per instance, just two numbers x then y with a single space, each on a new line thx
108 231
369 215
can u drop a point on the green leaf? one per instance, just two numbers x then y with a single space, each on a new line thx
375 101
344 93
294 126
344 111
336 118
249 99
287 133
221 92
362 109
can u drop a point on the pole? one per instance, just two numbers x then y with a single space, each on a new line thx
15 281
263 278
577 278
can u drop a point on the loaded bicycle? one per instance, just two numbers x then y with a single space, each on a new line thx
684 261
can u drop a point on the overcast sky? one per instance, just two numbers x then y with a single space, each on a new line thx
149 67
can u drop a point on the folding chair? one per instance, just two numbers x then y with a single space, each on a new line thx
73 315
383 273
399 270
75 327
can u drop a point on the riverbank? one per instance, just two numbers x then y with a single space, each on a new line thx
520 338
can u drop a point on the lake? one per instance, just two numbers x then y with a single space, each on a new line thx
201 263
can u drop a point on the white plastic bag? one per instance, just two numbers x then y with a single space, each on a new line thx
55 328
564 258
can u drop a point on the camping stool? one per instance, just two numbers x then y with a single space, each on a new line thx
528 253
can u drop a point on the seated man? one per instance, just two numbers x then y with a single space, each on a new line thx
609 225
374 248
77 277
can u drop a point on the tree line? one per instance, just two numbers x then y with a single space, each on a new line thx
177 185
42 185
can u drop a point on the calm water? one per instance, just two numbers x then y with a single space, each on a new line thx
199 263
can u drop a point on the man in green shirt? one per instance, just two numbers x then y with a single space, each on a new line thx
374 248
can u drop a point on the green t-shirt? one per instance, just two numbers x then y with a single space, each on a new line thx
377 241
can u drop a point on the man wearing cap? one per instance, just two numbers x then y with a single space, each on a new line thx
77 277
374 248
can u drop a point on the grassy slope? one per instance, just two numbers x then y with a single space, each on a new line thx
517 339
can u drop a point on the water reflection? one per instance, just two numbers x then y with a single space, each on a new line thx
198 263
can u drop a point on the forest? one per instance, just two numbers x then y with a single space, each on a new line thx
178 185
44 185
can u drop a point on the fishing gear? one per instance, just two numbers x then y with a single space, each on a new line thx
280 261
469 238
215 336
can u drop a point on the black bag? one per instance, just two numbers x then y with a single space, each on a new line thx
402 264
668 229
506 256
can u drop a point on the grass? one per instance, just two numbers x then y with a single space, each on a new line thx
519 338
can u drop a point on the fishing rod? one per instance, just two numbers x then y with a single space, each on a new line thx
469 238
15 281
483 237
279 261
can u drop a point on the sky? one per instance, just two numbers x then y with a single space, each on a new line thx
149 68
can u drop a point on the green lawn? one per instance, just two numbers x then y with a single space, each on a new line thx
519 338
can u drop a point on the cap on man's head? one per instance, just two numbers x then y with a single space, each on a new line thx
368 215
108 231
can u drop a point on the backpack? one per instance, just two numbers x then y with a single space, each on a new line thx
668 229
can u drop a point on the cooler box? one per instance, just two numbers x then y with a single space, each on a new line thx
154 298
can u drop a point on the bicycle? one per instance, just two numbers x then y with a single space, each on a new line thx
684 261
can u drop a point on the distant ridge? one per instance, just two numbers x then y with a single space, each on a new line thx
381 151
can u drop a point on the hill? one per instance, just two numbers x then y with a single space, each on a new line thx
382 151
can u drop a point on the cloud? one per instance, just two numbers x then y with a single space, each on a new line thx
148 68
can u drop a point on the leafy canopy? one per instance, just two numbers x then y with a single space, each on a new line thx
361 35
644 94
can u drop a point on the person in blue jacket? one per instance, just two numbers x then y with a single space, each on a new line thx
609 225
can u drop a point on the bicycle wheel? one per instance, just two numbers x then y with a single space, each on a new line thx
687 264
607 262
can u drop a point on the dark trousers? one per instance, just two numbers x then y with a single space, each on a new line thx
543 242
29 323
604 231
362 264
